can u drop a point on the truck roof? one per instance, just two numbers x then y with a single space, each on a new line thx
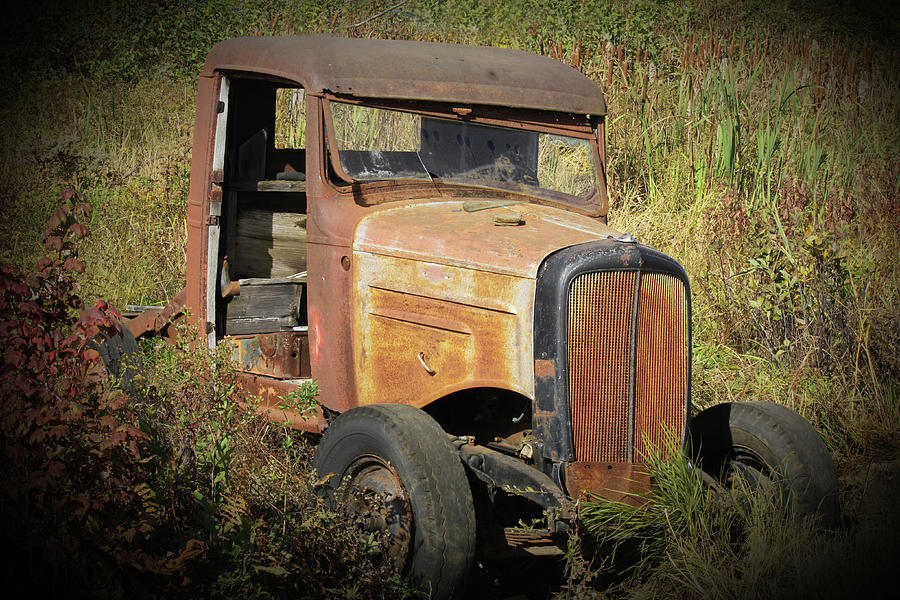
407 70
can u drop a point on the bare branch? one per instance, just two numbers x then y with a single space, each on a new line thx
375 16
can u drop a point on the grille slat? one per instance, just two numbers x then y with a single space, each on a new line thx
600 314
601 336
660 383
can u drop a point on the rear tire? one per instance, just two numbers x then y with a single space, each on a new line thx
769 444
400 454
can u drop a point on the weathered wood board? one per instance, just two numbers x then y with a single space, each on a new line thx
269 244
265 308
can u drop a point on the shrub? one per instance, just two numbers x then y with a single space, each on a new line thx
169 489
72 464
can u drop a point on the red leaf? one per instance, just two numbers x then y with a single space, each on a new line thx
44 263
78 229
54 242
15 359
115 439
23 384
137 433
114 400
58 431
29 306
59 216
73 264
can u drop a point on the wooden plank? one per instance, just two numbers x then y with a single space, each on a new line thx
292 186
267 301
294 279
267 224
246 326
269 244
265 309
281 185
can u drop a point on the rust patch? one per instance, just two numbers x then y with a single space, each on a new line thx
429 336
158 321
444 233
424 71
617 481
544 369
270 391
276 354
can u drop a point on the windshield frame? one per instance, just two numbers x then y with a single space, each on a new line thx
585 127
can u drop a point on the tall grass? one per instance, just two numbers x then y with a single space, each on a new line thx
743 158
687 541
126 147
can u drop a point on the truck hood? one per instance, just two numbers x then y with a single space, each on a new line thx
469 234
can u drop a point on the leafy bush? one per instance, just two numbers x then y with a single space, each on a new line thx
170 488
73 452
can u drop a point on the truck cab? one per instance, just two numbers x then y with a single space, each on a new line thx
421 228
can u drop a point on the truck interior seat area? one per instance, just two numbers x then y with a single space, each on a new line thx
264 218
268 259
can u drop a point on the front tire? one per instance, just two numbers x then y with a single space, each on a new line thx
402 456
768 444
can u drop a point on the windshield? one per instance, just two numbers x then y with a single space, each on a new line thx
379 144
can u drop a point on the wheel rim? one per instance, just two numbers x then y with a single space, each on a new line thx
744 463
376 496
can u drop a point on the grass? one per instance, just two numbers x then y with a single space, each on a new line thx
126 147
686 541
244 489
762 157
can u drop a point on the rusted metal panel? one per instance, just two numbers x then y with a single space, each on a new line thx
271 392
283 355
424 329
442 232
407 70
618 481
332 217
158 320
198 196
601 312
330 312
660 382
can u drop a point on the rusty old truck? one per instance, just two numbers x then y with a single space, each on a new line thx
422 229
